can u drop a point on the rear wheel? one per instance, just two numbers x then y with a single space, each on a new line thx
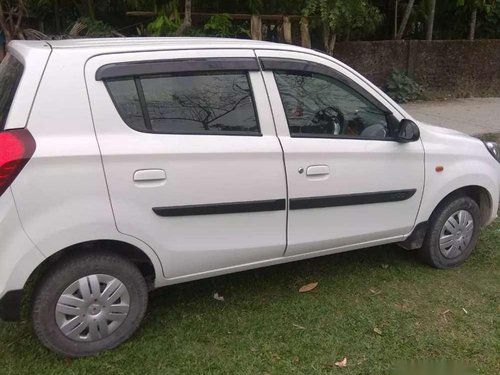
89 303
453 233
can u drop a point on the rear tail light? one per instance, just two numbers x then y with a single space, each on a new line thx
16 148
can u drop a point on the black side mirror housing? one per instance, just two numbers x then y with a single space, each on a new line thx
408 131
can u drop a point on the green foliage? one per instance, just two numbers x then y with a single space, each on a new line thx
348 18
490 27
94 28
165 24
402 88
38 8
486 5
255 6
219 25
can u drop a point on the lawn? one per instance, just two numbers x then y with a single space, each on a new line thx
264 325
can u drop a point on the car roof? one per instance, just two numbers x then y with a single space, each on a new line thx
111 45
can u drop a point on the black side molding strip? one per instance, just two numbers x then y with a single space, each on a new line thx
132 69
221 208
351 199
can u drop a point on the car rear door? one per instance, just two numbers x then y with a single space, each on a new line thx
191 157
350 183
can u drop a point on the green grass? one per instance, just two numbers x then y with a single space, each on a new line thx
266 326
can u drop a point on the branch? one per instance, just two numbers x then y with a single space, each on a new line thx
21 9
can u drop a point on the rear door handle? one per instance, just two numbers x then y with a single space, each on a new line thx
150 175
318 170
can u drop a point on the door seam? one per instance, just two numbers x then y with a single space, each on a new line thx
287 208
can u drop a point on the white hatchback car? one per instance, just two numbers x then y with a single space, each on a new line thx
131 164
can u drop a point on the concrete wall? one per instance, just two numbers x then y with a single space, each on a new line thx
443 67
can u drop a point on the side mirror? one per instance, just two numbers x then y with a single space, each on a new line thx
408 131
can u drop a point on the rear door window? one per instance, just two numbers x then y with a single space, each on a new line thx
205 103
11 71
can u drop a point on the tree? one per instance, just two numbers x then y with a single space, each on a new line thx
404 21
474 6
11 18
344 18
187 22
430 19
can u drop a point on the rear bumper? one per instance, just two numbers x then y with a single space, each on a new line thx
10 306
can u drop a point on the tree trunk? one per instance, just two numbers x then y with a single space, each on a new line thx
3 24
404 21
472 27
305 37
287 30
256 27
90 8
396 5
57 18
430 20
186 23
11 25
329 39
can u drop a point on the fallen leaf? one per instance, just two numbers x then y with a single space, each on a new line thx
443 315
275 357
218 297
384 266
378 331
297 326
342 363
375 291
308 287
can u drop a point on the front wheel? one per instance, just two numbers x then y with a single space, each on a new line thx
89 303
452 234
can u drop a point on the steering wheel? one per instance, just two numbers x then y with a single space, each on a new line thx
330 120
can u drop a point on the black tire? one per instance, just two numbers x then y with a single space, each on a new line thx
430 251
66 272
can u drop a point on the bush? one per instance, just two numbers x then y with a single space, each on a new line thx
219 25
402 88
163 25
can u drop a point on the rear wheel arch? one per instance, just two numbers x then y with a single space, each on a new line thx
120 248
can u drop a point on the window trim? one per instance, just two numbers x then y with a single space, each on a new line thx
275 64
191 65
142 102
301 66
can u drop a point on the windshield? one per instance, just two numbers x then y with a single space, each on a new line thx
11 71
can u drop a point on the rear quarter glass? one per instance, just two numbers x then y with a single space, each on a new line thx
11 71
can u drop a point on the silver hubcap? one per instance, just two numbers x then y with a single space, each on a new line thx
92 307
456 234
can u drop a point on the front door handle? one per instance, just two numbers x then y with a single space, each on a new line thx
150 175
318 170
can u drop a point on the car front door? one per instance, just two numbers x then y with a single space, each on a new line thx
350 184
192 161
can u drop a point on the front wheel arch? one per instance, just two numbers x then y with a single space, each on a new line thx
478 193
